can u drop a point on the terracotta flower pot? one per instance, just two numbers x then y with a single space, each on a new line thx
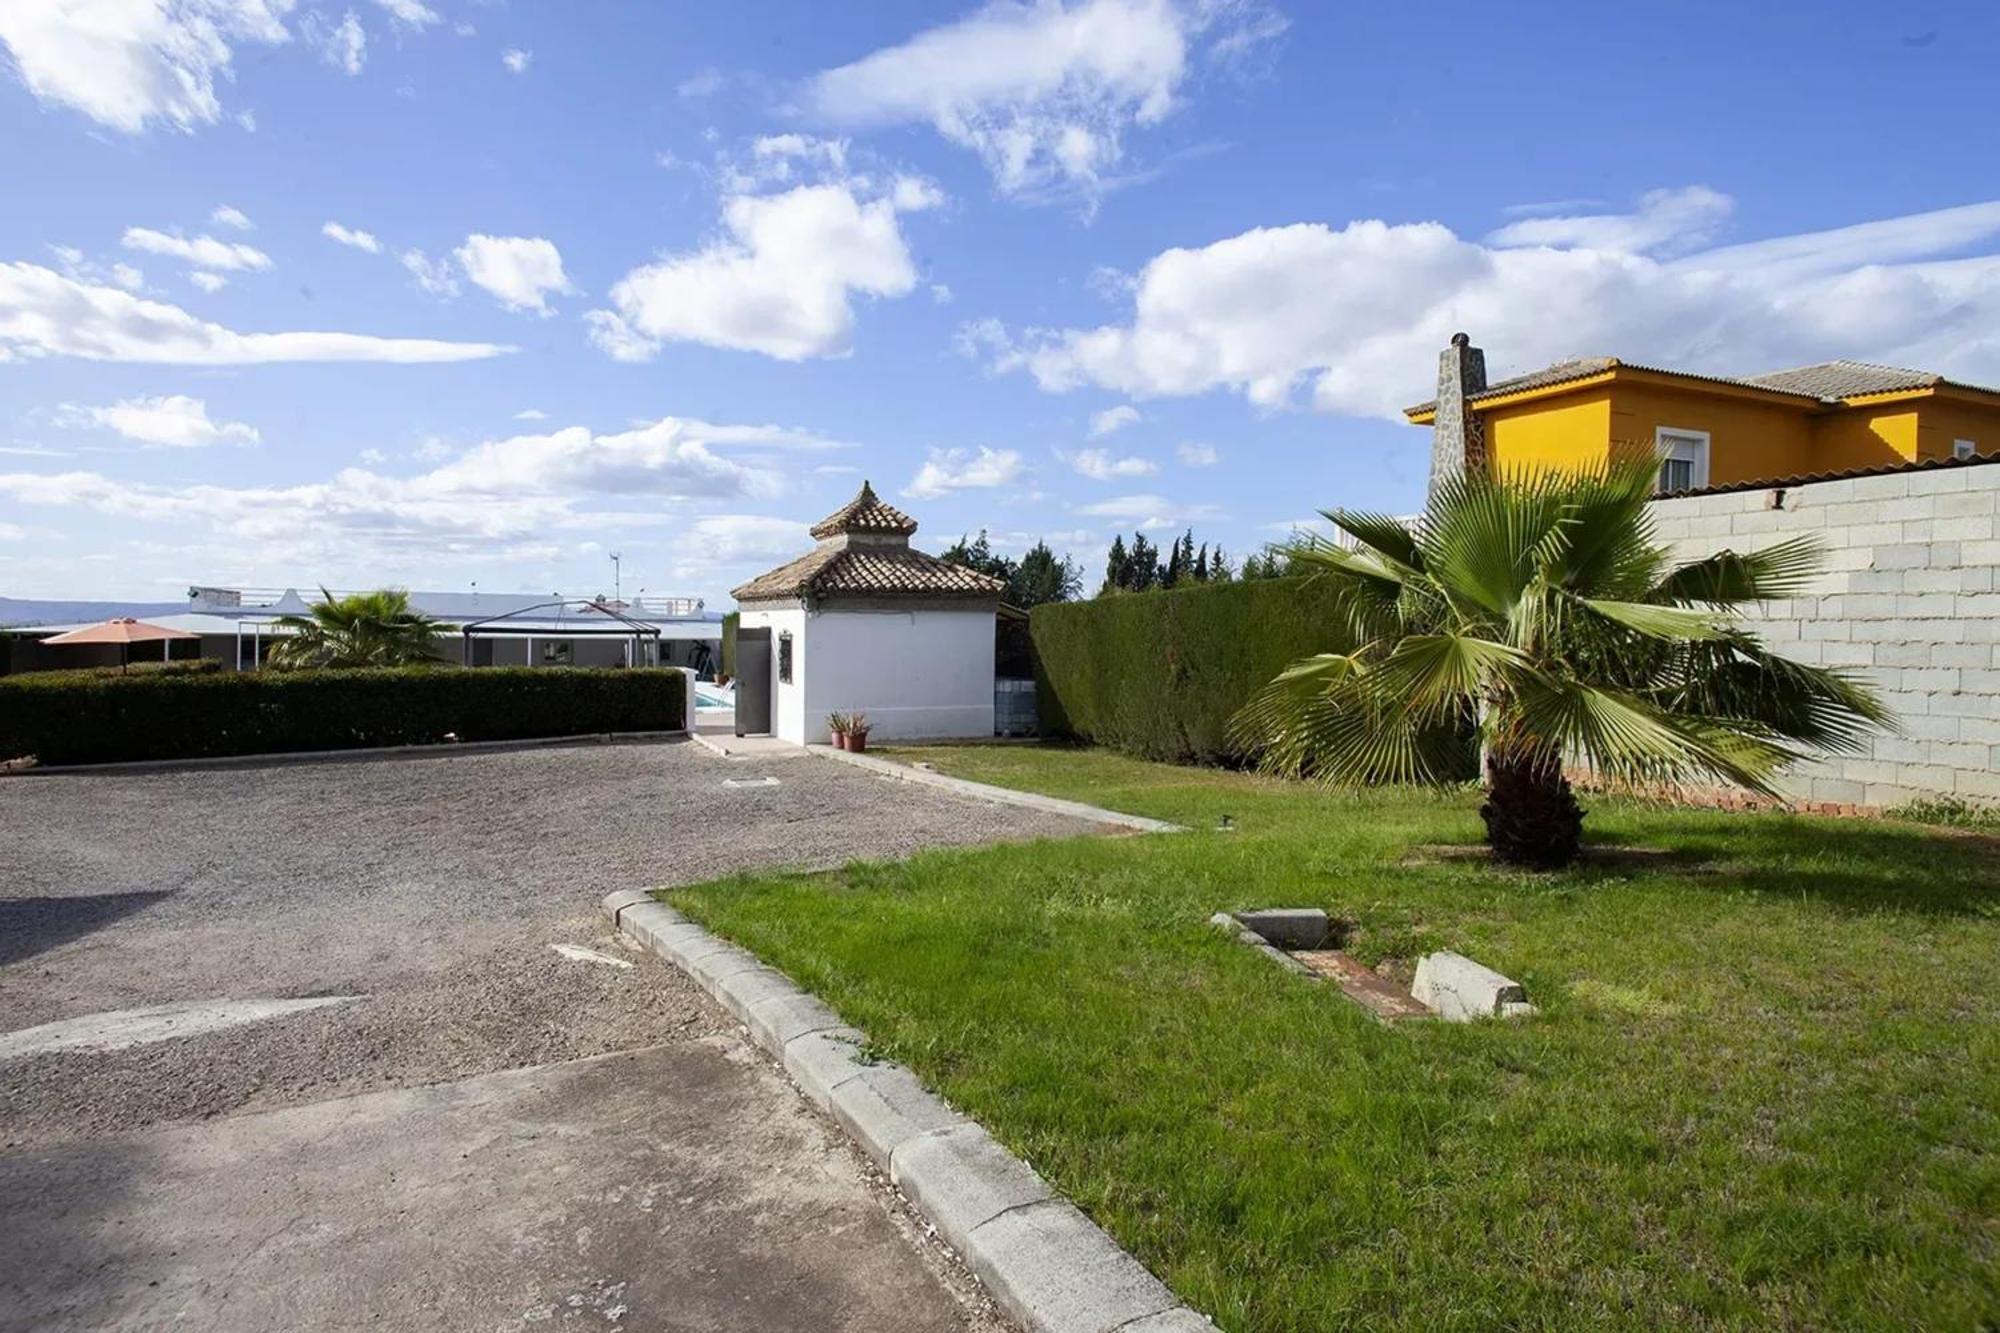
840 740
857 741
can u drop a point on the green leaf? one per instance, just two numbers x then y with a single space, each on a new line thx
1659 622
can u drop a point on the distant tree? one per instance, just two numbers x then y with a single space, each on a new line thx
1143 568
362 629
978 556
1218 568
1114 567
1201 564
1041 577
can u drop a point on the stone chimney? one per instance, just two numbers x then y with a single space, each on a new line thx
1457 441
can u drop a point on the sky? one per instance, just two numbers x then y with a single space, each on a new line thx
475 293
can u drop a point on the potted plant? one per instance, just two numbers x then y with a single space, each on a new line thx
857 732
839 724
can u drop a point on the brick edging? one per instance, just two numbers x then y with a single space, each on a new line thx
1047 1265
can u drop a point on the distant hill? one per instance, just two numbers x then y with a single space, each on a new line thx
24 611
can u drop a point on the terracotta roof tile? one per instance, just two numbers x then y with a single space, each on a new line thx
833 571
865 513
1827 382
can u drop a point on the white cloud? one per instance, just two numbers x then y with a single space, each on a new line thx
13 532
948 470
435 276
492 496
1113 419
521 272
702 83
204 251
740 538
1195 454
781 282
43 313
351 236
128 64
1148 511
516 60
175 420
940 293
531 414
1354 316
343 45
236 218
1680 220
410 13
1043 92
374 457
208 282
1101 465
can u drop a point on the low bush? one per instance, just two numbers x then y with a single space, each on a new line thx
83 717
1159 674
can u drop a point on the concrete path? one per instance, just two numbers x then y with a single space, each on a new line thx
495 1134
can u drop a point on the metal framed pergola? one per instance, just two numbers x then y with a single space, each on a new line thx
642 647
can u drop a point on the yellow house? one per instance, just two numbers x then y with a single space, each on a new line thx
1706 430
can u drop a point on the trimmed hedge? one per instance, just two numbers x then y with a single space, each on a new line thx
1159 674
85 718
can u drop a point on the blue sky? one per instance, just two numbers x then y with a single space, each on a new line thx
435 292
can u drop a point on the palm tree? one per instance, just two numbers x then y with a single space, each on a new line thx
1539 615
360 629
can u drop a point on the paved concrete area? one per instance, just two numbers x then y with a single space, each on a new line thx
464 1145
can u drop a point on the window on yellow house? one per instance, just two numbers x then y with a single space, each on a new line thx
1963 448
1683 458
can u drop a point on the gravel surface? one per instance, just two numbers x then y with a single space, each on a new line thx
432 886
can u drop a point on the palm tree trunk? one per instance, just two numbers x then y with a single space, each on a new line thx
1532 818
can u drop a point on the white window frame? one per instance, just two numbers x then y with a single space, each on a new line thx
1681 442
1964 448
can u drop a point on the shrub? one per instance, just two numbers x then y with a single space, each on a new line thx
82 717
1160 675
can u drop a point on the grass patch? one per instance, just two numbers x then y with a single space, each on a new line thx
1764 1091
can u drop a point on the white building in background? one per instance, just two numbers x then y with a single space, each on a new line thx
863 623
238 625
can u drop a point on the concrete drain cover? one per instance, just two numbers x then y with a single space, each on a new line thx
740 783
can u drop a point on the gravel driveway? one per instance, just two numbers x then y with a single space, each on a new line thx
431 888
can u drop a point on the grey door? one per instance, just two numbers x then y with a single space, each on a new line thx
753 682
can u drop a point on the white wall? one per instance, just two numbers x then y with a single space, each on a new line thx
917 674
788 702
1909 602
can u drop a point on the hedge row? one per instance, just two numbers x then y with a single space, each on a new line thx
1159 674
86 718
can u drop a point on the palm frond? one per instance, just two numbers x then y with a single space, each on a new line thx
1729 578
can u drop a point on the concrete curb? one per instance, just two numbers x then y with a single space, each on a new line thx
1003 795
365 752
1048 1266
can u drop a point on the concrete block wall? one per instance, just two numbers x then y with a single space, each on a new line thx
1908 600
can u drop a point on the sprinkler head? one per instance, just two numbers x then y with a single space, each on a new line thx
1225 825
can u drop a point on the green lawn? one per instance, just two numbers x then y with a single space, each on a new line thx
1764 1091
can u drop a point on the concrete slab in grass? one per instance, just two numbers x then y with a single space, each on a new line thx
961 1178
1051 1268
885 1106
1462 990
1288 927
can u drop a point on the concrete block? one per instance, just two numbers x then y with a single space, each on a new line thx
1926 606
646 922
1462 990
725 960
1976 528
961 1178
1053 1270
819 1062
884 1107
614 903
1288 927
1962 654
1180 1319
1963 504
782 1019
740 991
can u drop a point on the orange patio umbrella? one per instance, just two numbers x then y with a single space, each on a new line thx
124 632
